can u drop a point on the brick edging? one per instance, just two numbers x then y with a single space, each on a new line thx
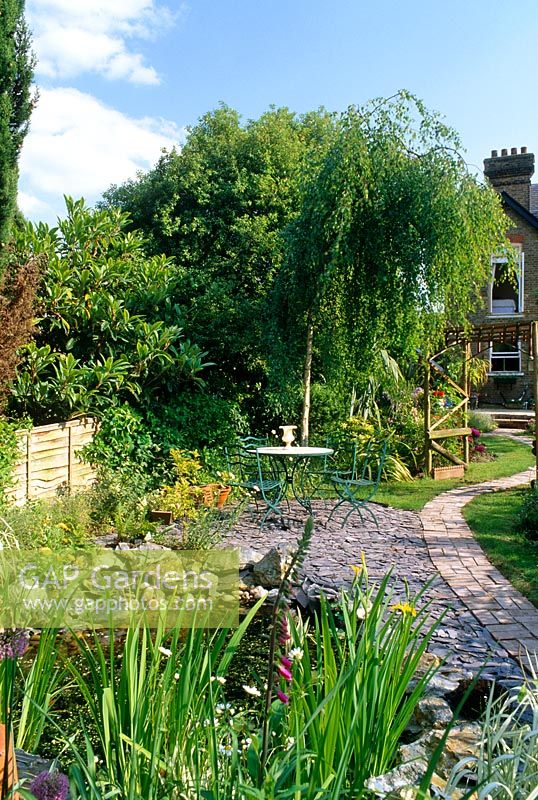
510 618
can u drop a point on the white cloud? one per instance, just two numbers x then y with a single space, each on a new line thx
79 146
72 37
32 206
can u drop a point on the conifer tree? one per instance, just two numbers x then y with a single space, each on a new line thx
16 103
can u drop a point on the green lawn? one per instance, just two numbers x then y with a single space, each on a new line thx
493 519
512 457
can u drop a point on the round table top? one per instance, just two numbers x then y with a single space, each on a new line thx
295 451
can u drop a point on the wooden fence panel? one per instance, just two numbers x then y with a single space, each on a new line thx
49 459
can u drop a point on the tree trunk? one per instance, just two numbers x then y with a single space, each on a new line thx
428 462
307 378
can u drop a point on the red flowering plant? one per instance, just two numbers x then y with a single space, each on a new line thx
478 449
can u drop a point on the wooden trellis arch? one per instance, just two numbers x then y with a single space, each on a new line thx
483 336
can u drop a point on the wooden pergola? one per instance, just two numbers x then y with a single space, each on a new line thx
483 336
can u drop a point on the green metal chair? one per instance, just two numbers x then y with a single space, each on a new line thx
252 442
316 479
357 481
261 480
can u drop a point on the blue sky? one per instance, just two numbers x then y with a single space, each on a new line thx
121 79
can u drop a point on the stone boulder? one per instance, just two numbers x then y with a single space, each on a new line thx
269 571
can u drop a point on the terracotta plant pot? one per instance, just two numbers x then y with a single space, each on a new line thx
8 765
224 493
210 493
214 494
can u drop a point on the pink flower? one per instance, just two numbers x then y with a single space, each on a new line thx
286 662
282 697
480 448
475 433
284 672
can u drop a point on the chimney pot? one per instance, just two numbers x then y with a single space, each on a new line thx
511 173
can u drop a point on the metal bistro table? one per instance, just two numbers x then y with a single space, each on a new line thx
294 461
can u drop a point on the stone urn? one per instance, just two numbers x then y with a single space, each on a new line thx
288 436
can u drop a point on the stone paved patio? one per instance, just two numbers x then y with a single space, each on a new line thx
400 543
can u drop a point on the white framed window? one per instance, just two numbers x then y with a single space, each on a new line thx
506 296
504 358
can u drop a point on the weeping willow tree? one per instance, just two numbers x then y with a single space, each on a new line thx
393 242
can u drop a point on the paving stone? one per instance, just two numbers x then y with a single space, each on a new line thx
461 639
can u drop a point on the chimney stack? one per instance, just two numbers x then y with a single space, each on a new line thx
511 173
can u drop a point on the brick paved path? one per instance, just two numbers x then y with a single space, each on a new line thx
507 615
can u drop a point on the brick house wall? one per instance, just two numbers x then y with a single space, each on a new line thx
510 174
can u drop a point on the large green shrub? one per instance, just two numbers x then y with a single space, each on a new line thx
109 330
135 447
219 205
122 443
194 420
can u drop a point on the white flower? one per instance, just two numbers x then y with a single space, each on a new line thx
290 741
253 690
226 749
363 609
296 653
246 743
220 708
219 679
165 651
176 676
